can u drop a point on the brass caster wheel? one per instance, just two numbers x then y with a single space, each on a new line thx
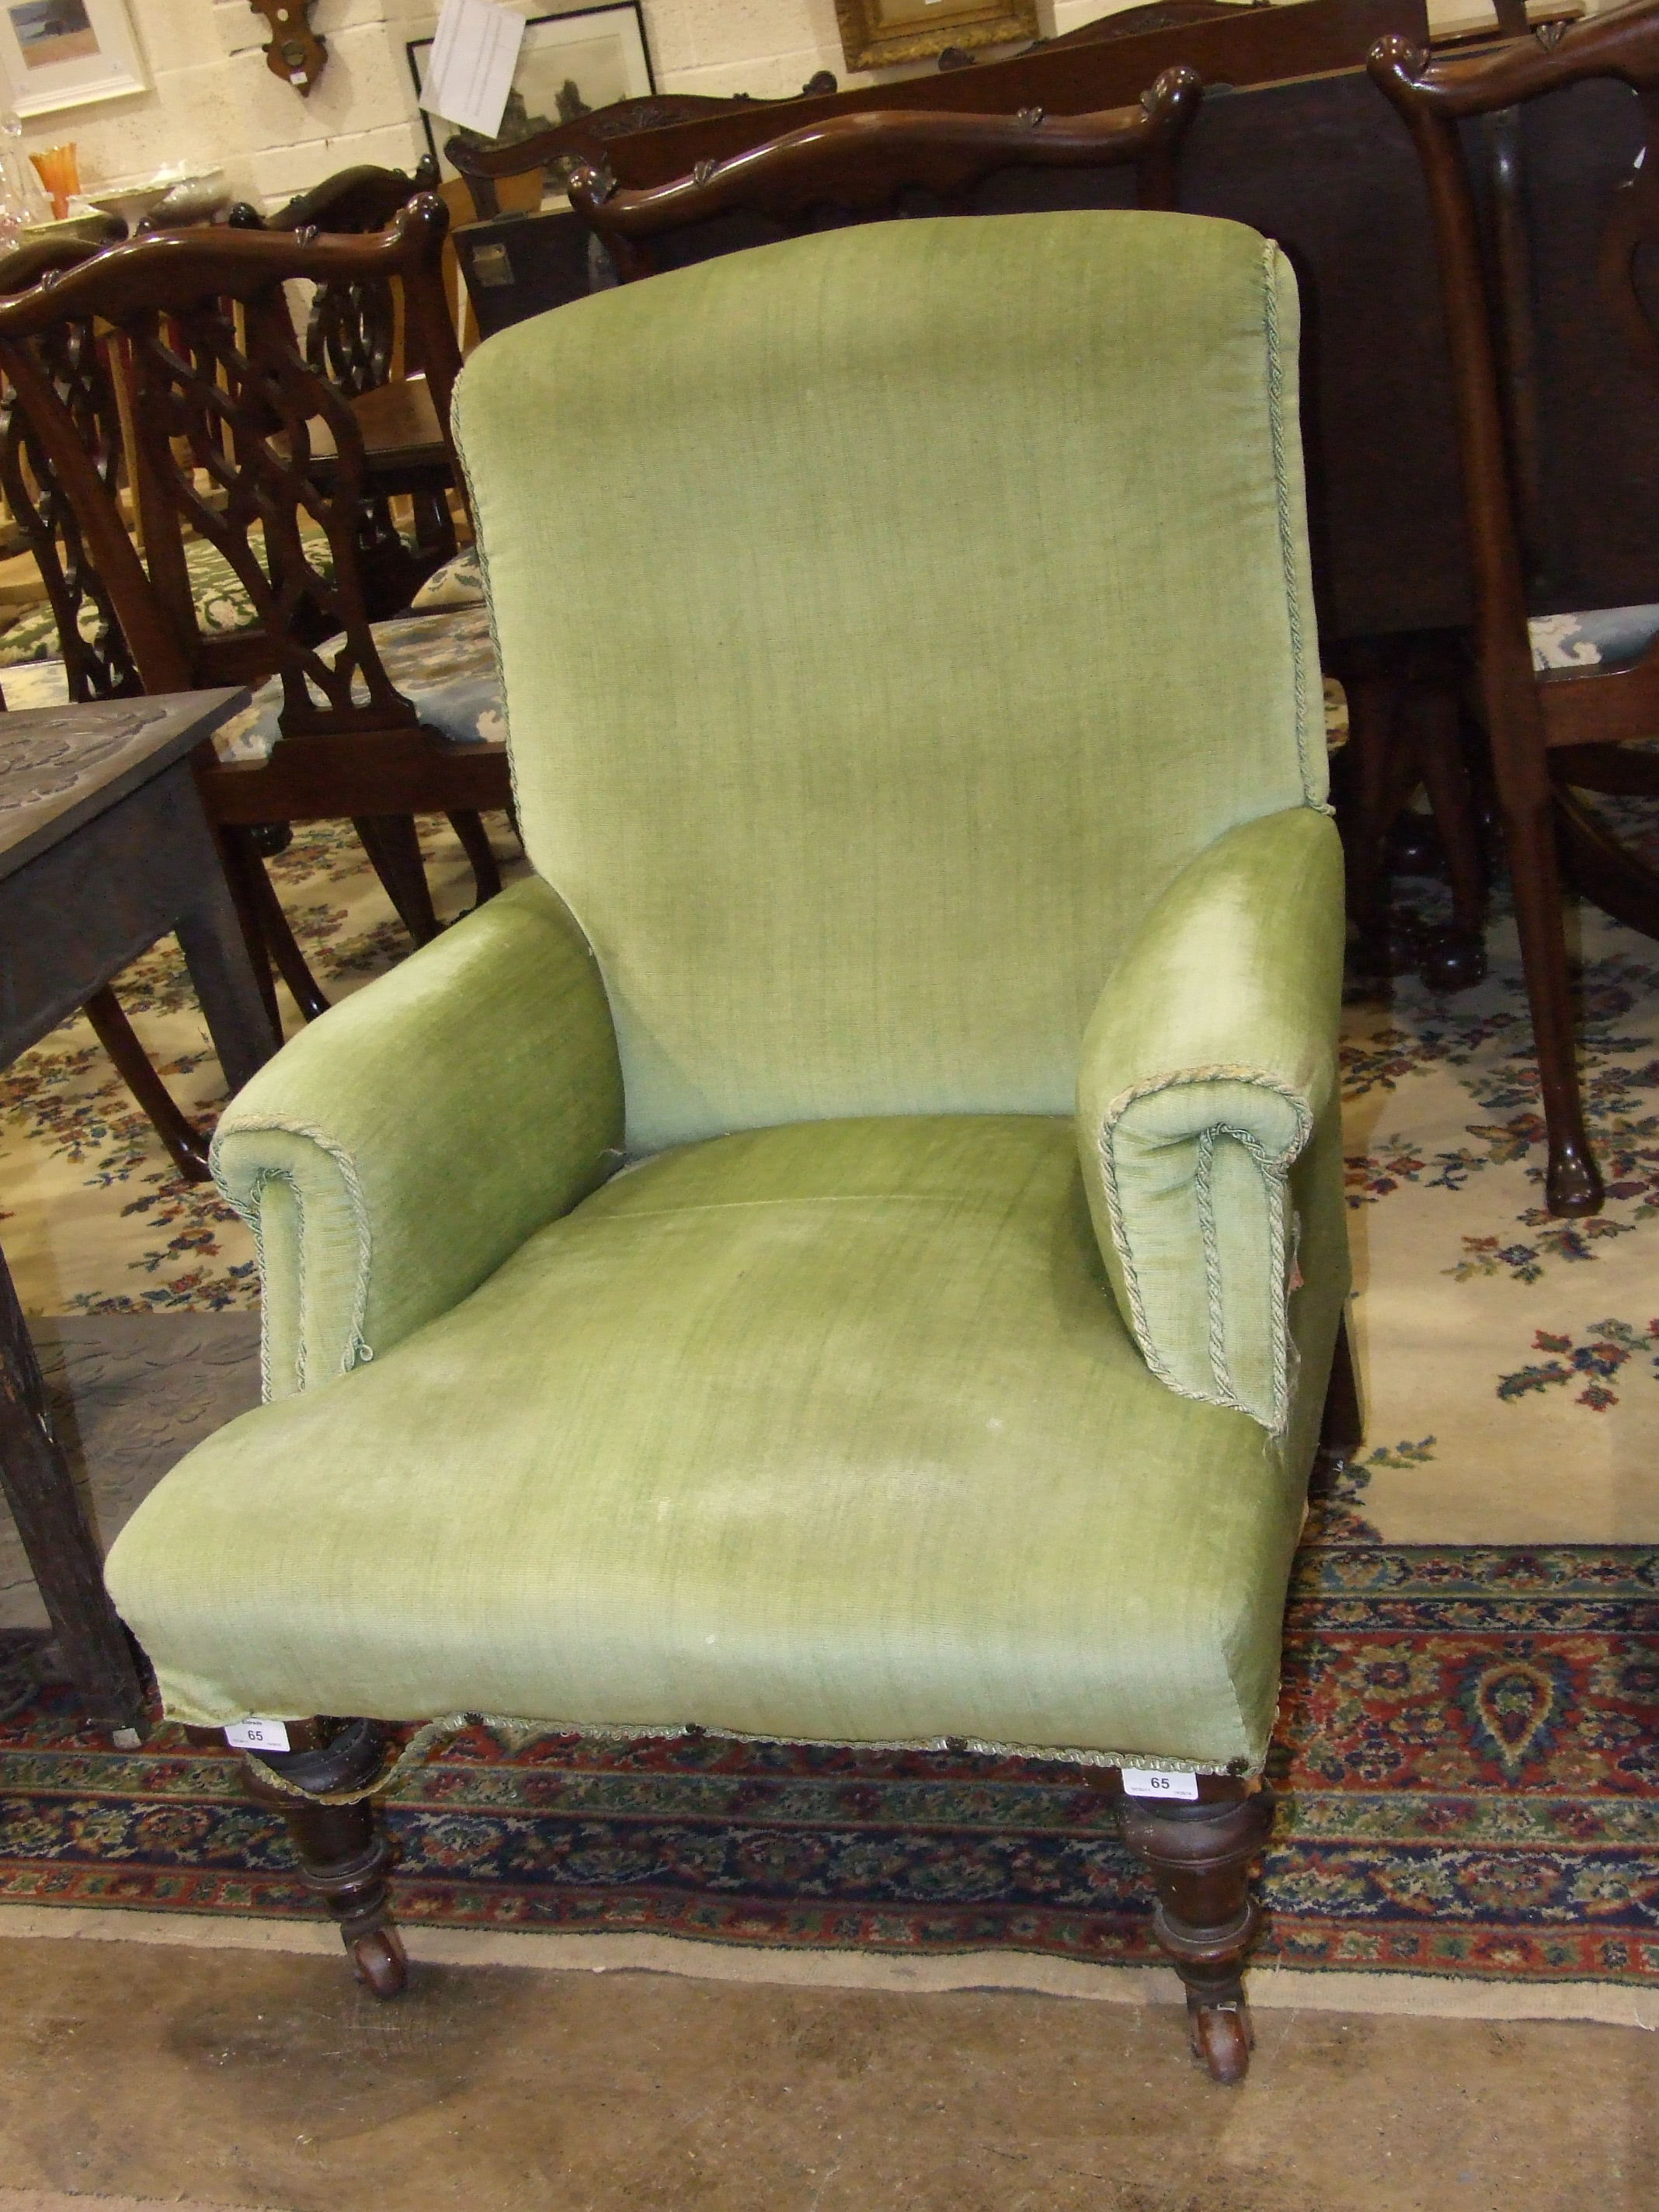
379 1961
1222 2038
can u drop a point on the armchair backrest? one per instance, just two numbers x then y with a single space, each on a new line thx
222 415
886 616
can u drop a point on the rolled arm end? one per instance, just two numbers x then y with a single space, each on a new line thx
397 1151
1211 1056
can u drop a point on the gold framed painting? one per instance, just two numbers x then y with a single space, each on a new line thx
875 32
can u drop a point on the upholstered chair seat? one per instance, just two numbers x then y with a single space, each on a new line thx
1595 637
854 1248
830 1432
458 583
442 660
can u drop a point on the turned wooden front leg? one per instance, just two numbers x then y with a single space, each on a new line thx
1201 1856
345 1855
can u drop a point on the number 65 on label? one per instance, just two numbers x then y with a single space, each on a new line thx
1155 1781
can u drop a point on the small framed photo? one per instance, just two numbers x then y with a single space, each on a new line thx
67 53
569 65
876 33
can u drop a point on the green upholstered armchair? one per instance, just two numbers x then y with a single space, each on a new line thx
852 1249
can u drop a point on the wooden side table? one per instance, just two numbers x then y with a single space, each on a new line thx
104 848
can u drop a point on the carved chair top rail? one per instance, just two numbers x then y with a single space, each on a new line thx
1622 44
864 159
27 264
171 270
662 136
579 139
363 198
1434 96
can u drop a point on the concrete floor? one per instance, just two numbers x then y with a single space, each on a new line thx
205 2077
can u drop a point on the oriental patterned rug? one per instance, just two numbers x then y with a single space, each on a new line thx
1468 1691
1466 1762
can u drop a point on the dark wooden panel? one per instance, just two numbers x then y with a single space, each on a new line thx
1261 46
1327 170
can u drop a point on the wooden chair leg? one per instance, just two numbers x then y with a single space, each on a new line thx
394 849
474 843
1602 870
272 937
1377 786
1455 958
1572 1180
1342 1426
187 1146
344 1853
239 857
1201 1856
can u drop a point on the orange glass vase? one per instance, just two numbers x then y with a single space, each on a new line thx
60 174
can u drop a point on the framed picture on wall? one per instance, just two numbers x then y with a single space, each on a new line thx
66 53
569 65
874 32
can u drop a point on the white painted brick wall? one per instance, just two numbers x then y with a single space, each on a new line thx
213 100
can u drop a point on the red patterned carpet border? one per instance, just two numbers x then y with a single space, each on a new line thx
1466 1755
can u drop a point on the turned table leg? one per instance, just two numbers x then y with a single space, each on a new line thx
345 1855
1201 1856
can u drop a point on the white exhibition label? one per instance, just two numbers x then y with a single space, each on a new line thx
1153 1782
257 1735
475 51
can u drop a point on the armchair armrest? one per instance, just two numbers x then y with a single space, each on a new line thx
393 1154
1210 1056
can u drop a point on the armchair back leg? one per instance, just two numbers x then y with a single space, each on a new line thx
1201 1857
344 1852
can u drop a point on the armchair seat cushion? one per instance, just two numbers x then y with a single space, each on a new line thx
829 1431
1596 637
444 662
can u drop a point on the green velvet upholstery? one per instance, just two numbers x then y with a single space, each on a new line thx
401 1147
928 595
829 1430
909 671
1208 1061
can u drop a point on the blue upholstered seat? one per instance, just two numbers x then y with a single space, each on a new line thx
1597 637
444 662
458 583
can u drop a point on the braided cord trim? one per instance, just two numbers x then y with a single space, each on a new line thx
358 1348
1274 1168
513 1734
1287 539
